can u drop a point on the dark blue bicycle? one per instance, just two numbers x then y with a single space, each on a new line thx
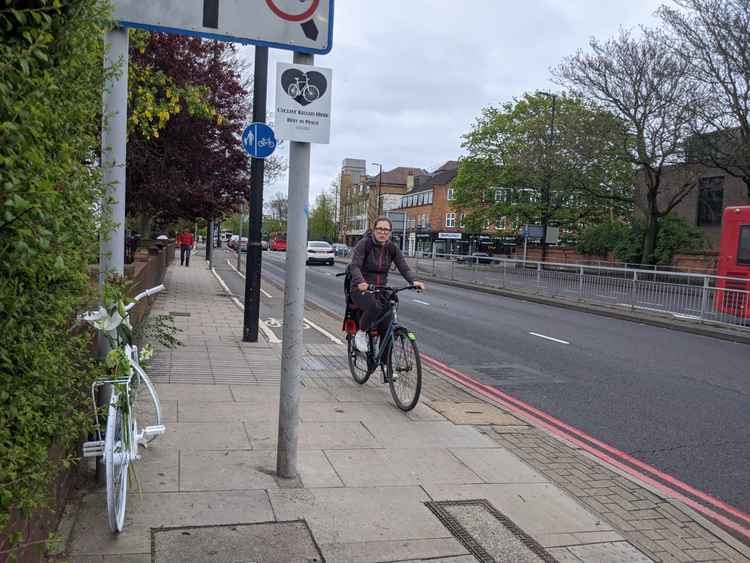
394 351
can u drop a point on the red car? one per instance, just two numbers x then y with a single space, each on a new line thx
278 244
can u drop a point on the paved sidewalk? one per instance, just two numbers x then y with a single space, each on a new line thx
444 483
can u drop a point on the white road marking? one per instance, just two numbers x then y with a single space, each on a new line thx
267 331
418 301
549 338
324 332
263 291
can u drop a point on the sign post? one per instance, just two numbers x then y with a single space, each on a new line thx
303 115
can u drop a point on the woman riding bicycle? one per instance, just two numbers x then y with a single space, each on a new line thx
371 261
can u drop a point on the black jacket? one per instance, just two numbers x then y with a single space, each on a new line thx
371 262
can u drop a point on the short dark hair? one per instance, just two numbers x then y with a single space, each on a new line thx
383 218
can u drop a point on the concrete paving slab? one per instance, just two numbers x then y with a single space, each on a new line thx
157 470
189 392
387 467
315 436
129 558
195 411
475 413
429 435
271 542
337 411
339 515
612 552
205 436
537 508
498 465
269 394
408 550
370 392
225 471
91 535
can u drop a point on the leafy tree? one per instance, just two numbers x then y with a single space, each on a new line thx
51 80
599 239
323 219
188 105
565 167
643 83
713 37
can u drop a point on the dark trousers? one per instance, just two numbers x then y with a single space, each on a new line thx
371 306
185 255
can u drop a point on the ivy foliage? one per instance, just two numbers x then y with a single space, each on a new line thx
51 79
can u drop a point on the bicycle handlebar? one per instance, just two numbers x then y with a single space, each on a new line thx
147 293
375 288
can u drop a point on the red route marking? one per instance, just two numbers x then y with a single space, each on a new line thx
292 17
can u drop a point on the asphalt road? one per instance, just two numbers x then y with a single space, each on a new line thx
677 401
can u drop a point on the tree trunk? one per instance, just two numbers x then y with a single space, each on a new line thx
144 225
652 231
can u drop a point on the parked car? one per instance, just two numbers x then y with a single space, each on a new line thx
341 250
319 251
476 257
242 244
278 244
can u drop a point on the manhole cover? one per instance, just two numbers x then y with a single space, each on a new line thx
268 542
179 314
487 533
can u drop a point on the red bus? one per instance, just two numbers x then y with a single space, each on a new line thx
734 263
277 241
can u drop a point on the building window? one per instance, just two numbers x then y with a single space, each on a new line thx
450 219
743 250
451 194
501 222
710 200
428 197
423 220
421 199
503 195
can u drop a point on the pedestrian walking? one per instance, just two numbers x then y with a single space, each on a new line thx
185 242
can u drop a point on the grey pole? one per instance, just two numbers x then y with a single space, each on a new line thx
112 249
210 242
114 128
294 301
239 241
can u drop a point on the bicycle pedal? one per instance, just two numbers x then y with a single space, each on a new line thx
93 449
155 430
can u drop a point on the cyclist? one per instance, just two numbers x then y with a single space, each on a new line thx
371 261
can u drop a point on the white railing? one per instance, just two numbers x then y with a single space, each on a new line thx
688 296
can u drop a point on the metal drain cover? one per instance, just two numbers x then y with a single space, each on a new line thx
487 533
269 542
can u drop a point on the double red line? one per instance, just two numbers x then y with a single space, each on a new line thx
676 489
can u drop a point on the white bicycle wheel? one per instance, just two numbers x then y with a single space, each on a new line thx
116 460
145 404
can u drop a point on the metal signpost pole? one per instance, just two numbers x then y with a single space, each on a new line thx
294 301
210 242
112 249
239 241
254 253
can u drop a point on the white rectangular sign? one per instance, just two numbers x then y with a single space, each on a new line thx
303 103
299 25
453 236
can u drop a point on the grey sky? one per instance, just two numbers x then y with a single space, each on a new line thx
411 76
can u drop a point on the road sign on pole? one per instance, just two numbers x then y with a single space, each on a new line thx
298 25
259 140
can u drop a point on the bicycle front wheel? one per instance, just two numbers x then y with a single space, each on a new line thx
116 460
145 404
357 361
404 370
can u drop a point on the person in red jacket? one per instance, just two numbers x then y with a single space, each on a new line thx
185 242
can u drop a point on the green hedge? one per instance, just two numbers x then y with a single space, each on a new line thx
51 83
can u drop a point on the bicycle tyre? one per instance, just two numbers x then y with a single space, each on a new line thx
311 93
116 460
156 414
293 91
359 374
405 388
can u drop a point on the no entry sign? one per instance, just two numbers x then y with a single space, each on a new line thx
298 25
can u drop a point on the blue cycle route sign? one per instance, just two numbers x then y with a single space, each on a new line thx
259 140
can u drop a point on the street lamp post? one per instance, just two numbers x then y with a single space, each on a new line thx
548 180
380 183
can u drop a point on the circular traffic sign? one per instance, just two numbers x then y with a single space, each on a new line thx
284 15
259 140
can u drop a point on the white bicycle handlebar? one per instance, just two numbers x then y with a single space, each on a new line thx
147 293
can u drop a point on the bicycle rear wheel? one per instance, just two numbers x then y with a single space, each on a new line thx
357 361
404 370
116 460
145 404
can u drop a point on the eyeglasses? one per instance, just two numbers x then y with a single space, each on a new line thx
381 230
